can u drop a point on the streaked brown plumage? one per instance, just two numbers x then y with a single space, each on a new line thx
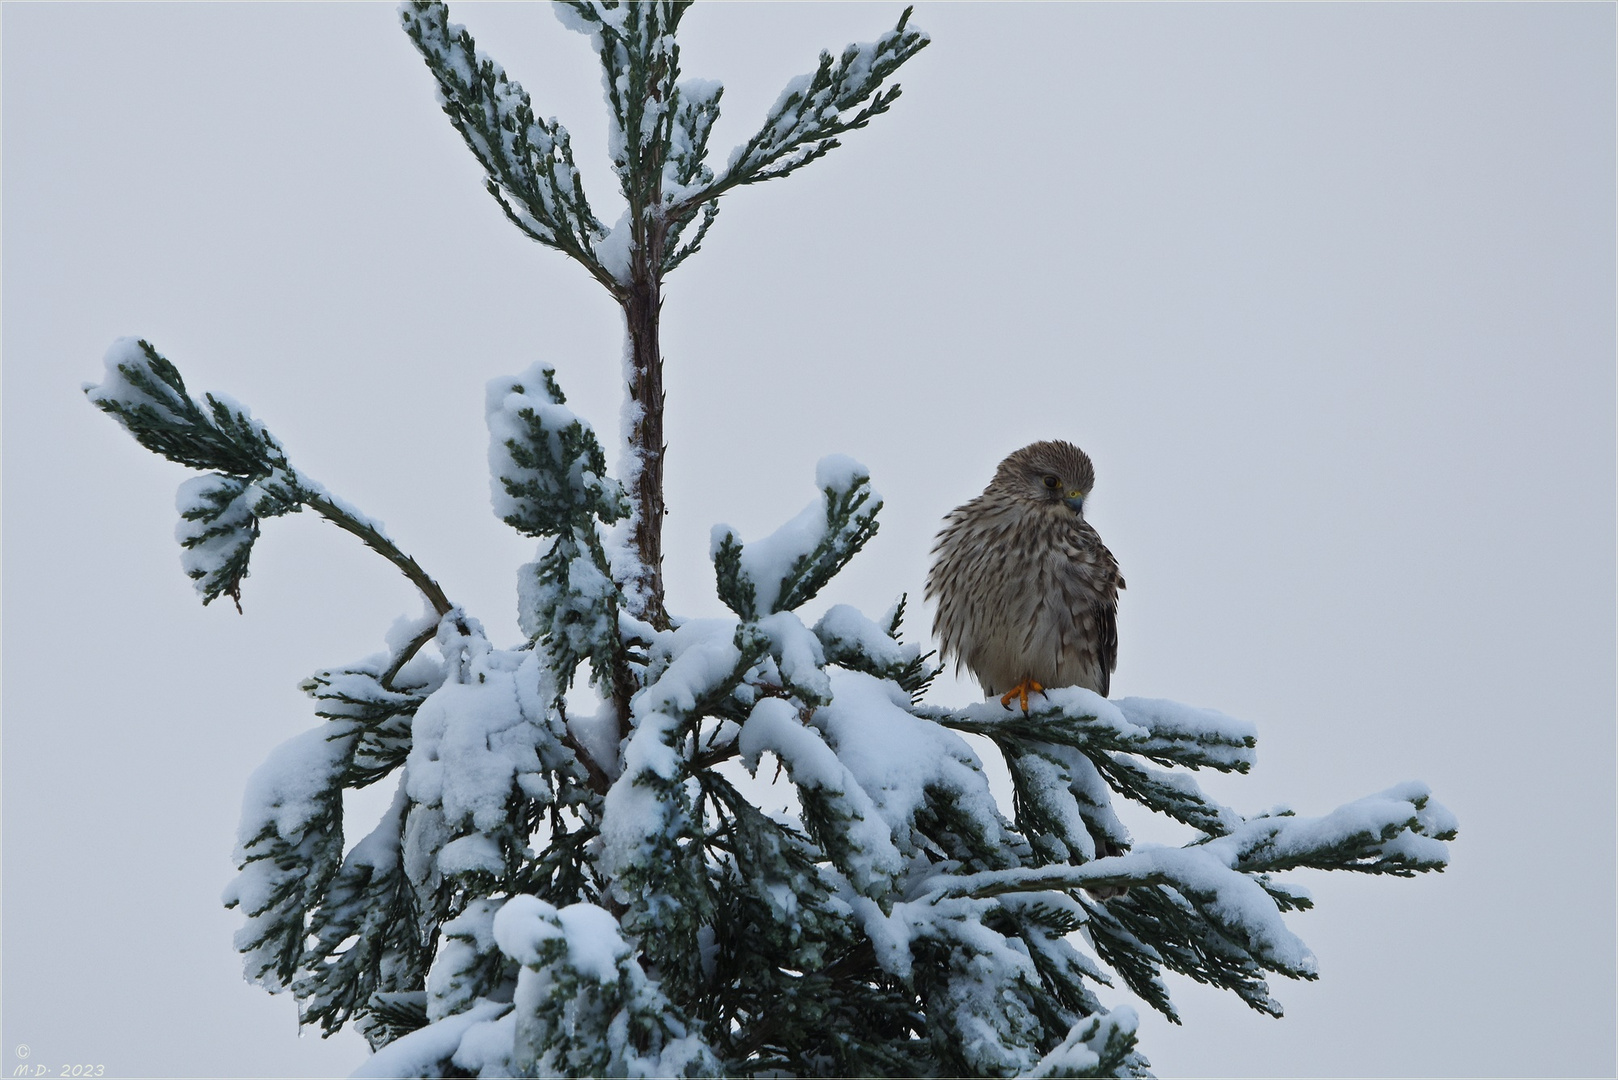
1027 593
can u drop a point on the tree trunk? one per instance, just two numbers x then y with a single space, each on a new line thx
642 308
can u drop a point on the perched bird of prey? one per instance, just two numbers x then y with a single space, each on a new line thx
1027 592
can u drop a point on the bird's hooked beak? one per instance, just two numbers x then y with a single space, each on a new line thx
1075 501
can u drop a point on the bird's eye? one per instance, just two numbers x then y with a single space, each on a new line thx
1051 482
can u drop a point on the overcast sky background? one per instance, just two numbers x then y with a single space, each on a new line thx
1327 292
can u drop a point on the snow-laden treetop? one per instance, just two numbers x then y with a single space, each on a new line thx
577 874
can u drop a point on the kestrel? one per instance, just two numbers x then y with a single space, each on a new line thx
1027 592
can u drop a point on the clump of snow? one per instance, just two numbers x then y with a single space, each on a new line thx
116 387
486 1048
463 943
614 250
801 657
594 946
423 1052
1170 719
840 473
472 852
767 562
1081 1051
845 630
902 761
526 926
471 739
406 628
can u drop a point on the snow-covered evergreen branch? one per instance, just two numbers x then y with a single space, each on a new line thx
841 95
251 477
366 933
787 569
550 481
528 161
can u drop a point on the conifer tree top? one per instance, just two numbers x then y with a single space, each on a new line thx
586 883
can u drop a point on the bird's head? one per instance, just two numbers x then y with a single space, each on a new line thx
1048 472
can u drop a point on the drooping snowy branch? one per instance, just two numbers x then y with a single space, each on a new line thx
1165 732
837 810
251 478
366 935
290 846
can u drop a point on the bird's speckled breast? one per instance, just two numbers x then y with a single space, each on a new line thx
1025 592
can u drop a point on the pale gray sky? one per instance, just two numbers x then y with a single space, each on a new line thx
1326 290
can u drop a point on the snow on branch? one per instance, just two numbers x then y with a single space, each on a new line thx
547 469
485 741
1163 731
920 775
429 1051
144 392
365 935
842 94
549 479
583 1006
686 169
792 564
837 809
1401 831
251 478
528 161
860 644
289 847
1095 1046
640 64
384 714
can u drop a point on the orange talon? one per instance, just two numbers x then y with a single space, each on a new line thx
1021 692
